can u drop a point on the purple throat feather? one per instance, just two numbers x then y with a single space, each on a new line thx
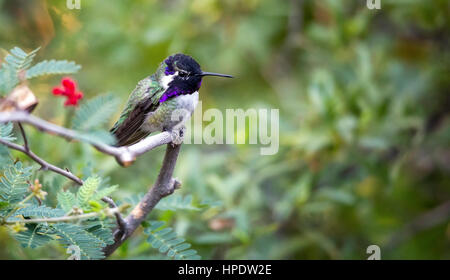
170 93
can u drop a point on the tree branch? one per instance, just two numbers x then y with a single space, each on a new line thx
44 165
164 186
121 223
124 155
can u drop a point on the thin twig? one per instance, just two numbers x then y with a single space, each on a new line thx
24 136
47 166
121 223
109 212
44 165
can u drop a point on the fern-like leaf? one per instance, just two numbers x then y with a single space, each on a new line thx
167 242
52 67
13 184
133 199
176 202
101 229
173 202
97 137
6 132
87 190
104 192
95 113
5 156
70 234
18 60
66 200
41 211
8 80
33 237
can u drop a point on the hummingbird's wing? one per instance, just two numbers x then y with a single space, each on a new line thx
143 100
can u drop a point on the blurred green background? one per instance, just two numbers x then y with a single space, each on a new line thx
363 96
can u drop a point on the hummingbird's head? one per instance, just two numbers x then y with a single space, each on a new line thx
181 74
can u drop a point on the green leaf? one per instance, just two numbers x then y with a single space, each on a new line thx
5 156
176 202
14 62
8 80
97 137
41 211
104 192
133 199
33 237
52 67
66 200
167 242
3 205
14 183
101 229
18 59
6 132
95 113
205 203
87 190
70 234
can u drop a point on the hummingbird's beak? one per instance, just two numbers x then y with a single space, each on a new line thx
215 74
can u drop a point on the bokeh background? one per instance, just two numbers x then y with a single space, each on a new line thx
363 96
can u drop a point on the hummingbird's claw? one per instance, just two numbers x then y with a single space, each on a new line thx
178 136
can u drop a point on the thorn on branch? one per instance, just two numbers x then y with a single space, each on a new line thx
175 184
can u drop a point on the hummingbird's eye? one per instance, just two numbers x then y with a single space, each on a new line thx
183 74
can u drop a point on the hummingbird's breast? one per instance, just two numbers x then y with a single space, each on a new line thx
171 113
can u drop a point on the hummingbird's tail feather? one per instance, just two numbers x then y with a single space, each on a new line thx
133 139
128 130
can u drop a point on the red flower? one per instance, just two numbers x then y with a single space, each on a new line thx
69 91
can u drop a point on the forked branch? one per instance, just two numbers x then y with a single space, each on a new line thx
164 185
124 155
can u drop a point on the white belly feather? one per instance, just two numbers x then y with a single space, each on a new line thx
171 113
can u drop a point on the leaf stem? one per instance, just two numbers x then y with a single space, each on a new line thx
108 212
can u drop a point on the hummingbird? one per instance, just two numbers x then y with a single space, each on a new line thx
151 105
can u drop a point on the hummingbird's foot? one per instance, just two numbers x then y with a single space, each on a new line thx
178 136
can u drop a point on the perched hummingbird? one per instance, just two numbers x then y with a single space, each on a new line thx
150 106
